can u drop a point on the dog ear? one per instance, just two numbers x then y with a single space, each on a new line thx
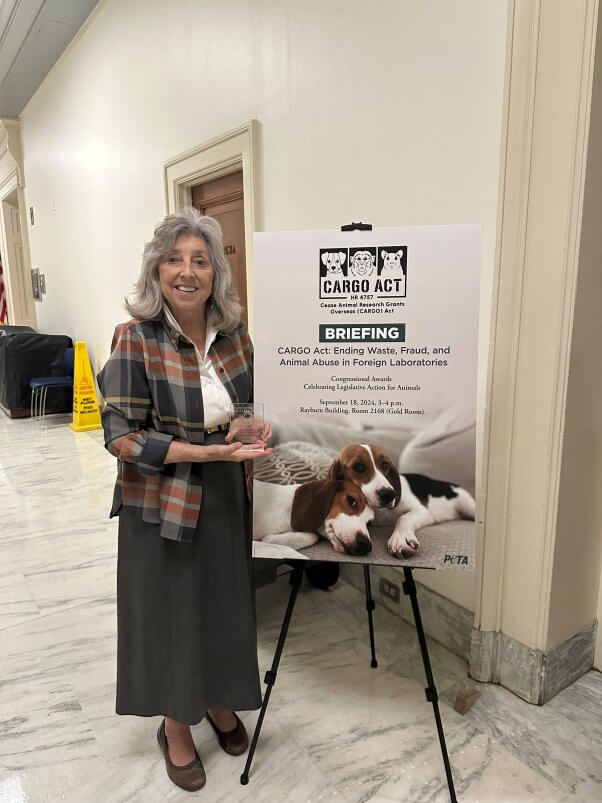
373 259
311 503
384 253
342 257
324 258
336 470
393 477
400 252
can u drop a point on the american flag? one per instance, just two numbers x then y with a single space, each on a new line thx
3 307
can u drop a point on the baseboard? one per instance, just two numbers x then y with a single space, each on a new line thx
534 675
443 620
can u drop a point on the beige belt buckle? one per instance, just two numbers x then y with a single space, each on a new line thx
216 428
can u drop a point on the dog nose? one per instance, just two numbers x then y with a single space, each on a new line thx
362 545
386 495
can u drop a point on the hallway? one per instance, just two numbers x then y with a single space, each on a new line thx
335 730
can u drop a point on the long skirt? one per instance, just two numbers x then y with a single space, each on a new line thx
185 611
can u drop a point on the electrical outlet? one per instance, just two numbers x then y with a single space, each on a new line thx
389 589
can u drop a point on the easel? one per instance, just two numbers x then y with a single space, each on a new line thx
409 588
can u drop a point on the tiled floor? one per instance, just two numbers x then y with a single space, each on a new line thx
335 730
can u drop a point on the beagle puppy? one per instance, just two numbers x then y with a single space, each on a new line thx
333 261
295 515
407 501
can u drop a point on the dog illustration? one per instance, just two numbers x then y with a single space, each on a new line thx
408 501
295 515
333 261
362 264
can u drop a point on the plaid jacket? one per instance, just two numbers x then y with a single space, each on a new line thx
152 388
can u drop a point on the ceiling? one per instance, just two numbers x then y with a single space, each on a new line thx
33 35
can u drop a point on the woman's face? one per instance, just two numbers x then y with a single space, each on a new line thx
186 276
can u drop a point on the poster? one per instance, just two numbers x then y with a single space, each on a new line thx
366 363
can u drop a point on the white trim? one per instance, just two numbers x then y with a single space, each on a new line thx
542 179
572 227
515 186
21 306
220 156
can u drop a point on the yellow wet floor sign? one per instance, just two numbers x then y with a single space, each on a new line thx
86 414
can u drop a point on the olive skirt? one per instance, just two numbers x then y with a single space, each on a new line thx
186 638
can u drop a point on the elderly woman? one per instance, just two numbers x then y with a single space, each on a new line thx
186 631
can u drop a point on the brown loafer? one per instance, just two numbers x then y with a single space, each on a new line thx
190 777
235 741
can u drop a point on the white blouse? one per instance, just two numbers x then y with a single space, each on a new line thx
216 399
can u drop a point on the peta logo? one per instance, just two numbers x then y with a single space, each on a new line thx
364 272
456 560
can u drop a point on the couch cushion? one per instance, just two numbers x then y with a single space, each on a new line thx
444 450
450 545
294 462
335 436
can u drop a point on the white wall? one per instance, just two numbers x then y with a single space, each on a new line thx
388 112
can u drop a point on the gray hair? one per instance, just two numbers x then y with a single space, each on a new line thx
147 301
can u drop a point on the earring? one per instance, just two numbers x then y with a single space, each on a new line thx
211 301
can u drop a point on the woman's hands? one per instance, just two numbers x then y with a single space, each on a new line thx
233 452
180 452
263 431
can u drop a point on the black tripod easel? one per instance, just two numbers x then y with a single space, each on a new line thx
409 588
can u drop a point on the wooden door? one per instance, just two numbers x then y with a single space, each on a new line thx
223 199
17 280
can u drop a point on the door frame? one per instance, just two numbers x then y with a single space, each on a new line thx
542 179
19 295
226 153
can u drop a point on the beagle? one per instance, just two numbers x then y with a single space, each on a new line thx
333 261
294 515
407 501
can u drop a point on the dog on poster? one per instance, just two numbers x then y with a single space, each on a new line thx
295 516
406 501
333 261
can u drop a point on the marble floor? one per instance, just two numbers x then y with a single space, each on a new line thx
336 729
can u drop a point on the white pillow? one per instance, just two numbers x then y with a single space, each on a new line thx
445 449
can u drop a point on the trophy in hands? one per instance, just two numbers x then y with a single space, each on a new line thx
247 426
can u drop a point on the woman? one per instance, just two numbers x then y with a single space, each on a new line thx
185 620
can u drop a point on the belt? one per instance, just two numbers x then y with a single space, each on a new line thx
216 428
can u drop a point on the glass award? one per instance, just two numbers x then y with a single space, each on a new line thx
246 425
